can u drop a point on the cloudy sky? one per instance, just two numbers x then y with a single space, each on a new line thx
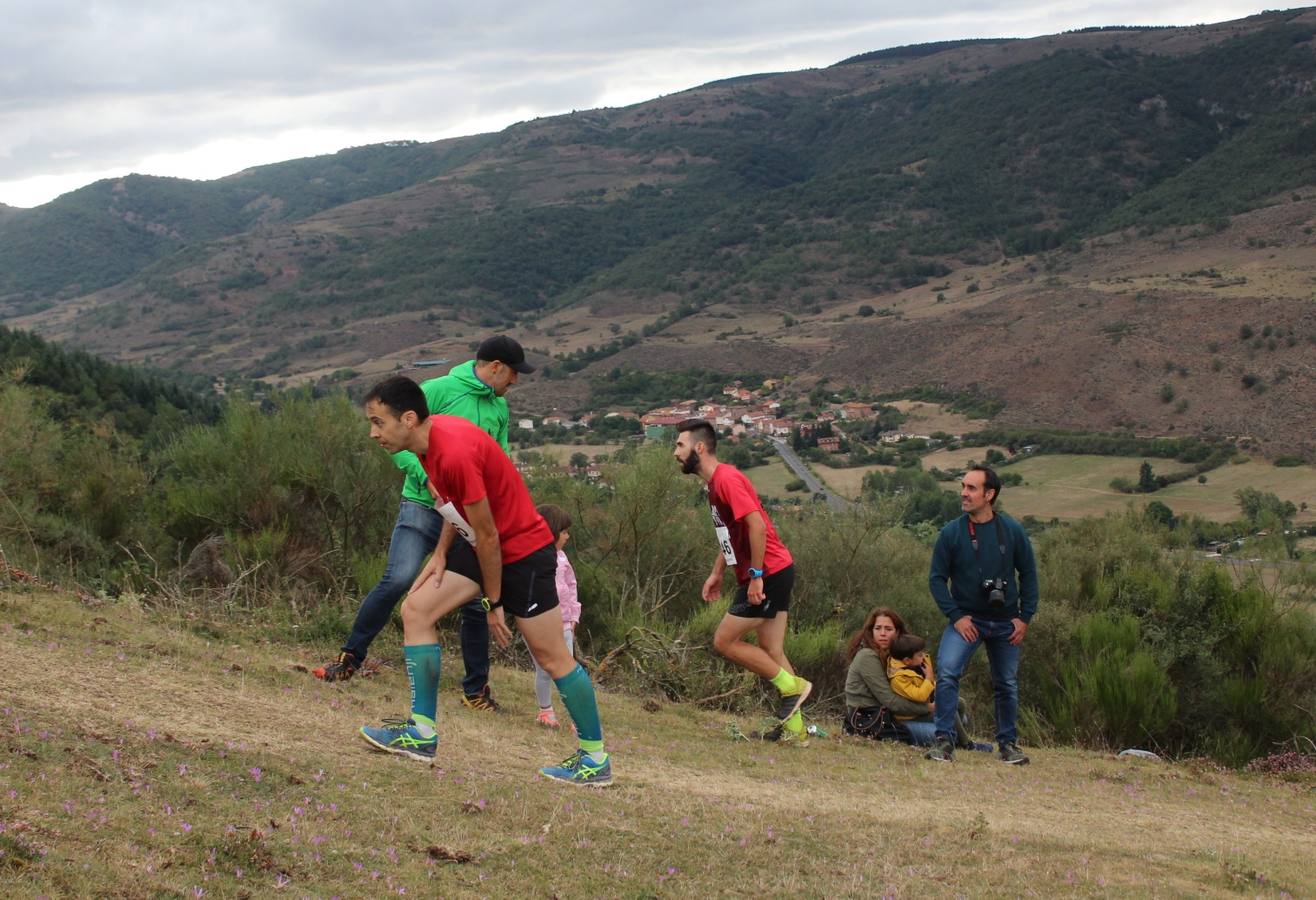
96 88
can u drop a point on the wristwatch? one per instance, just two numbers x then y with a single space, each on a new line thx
755 573
490 607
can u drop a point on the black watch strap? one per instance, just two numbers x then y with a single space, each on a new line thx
490 607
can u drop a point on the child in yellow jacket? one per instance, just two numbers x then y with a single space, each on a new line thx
909 669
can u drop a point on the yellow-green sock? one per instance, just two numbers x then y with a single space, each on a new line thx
795 724
785 683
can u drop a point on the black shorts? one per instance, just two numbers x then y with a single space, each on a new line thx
529 584
776 596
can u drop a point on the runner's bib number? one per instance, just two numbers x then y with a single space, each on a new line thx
724 542
723 536
454 518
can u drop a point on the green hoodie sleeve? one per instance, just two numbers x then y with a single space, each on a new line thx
413 487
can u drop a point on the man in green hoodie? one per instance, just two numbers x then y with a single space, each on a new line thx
474 391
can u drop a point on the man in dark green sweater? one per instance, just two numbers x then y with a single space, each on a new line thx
475 392
979 554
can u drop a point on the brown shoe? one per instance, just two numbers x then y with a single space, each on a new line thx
482 702
341 670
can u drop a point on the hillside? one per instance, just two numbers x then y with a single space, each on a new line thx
178 756
1000 209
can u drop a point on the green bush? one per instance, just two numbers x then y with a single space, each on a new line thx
1108 691
299 490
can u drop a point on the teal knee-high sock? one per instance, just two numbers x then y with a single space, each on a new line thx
577 693
423 662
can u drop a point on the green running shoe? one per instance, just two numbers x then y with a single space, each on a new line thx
403 739
578 768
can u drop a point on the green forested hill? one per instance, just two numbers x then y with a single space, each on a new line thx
893 176
105 232
80 387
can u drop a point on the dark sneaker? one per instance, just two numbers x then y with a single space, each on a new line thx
578 768
1011 755
790 703
402 739
340 670
482 702
942 751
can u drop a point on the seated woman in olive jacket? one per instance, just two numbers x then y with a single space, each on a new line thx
868 692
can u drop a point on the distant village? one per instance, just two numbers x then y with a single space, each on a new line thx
743 412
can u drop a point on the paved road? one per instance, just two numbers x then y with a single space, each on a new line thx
796 465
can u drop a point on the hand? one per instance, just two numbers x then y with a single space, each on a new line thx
932 706
755 592
1020 629
434 568
964 625
498 629
712 588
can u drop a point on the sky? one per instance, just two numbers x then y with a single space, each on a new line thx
93 89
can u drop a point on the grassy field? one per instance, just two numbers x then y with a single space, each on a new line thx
1215 499
1070 487
950 460
925 418
562 452
170 757
847 482
770 480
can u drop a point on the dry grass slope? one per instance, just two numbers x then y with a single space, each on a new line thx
147 759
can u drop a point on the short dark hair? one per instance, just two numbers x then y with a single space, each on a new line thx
700 430
400 394
558 519
990 480
903 646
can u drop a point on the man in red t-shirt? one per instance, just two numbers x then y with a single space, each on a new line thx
748 542
493 544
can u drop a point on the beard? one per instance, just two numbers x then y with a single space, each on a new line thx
690 465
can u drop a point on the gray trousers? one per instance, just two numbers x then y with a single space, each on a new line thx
543 681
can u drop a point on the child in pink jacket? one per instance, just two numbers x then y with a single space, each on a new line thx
559 522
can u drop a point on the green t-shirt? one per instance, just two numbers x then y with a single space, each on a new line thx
459 393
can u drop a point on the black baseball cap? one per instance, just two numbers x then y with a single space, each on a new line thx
501 348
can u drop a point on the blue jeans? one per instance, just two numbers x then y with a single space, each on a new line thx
414 536
921 732
1003 659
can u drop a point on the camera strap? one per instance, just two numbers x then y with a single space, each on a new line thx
977 553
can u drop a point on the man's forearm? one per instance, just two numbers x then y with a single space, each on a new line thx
490 554
446 536
758 546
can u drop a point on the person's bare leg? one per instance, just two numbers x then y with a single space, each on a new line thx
729 641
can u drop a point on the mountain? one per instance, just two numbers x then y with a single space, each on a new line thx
802 223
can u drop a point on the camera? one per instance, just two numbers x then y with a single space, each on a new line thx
994 588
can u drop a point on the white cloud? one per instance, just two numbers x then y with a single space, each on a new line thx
92 89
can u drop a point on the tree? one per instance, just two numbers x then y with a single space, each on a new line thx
579 460
1263 509
1159 513
1147 482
